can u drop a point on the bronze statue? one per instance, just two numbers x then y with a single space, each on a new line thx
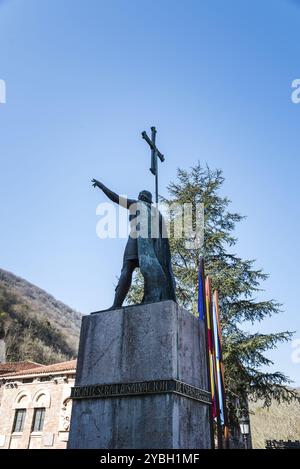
151 253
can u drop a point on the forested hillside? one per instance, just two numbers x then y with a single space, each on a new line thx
34 324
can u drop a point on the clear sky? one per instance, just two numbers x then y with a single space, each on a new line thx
84 78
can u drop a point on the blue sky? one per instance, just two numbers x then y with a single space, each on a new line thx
85 78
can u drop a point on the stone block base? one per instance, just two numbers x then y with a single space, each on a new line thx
141 380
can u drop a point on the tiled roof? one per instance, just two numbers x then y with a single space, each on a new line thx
48 369
45 369
14 367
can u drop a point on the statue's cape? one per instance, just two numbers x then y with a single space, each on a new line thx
154 255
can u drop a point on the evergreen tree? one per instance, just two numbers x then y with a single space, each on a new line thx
237 282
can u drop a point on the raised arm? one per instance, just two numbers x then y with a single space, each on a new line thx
123 201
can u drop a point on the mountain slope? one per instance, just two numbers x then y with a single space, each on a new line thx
34 324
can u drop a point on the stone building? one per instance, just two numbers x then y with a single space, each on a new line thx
35 405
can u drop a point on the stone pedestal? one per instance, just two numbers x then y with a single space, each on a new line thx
141 380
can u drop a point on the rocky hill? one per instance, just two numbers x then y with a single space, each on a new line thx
34 324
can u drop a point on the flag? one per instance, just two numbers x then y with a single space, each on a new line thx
218 357
210 344
202 307
220 369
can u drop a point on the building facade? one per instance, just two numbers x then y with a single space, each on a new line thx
35 404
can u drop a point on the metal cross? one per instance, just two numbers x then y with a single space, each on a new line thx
154 154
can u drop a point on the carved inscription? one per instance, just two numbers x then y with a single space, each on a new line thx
146 387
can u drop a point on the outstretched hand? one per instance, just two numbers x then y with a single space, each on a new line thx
96 183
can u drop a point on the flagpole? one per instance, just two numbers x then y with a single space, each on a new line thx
221 363
203 316
215 377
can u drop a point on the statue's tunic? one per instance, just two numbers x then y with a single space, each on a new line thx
131 252
154 255
131 249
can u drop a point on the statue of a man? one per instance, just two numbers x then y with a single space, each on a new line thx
151 253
